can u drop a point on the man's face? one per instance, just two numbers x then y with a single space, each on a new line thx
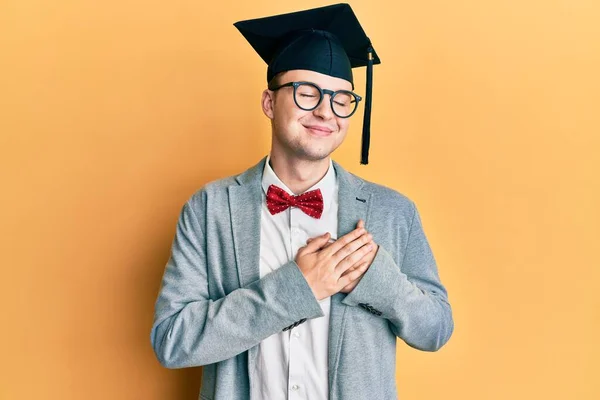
305 135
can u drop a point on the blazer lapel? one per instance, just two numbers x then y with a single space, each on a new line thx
244 207
353 205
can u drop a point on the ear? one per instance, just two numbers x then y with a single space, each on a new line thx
267 100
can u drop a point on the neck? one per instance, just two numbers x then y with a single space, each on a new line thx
298 175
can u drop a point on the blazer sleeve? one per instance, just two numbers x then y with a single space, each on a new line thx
409 295
190 329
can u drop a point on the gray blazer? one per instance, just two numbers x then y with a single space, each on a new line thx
213 309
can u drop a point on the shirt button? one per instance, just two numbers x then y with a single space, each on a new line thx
295 387
297 334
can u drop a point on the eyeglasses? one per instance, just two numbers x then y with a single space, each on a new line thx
308 96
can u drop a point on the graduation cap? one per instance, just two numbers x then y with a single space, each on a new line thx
327 39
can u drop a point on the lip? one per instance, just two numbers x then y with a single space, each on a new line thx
318 130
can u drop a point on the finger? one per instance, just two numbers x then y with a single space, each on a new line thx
326 245
360 264
352 276
352 259
352 247
348 288
361 224
353 268
316 243
311 239
344 240
366 259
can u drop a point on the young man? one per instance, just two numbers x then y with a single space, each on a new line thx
293 279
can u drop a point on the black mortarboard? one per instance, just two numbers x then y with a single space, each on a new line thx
328 40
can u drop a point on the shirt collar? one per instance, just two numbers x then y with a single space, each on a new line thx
327 184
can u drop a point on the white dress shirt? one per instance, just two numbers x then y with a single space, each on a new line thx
292 364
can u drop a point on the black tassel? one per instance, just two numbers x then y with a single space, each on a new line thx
366 134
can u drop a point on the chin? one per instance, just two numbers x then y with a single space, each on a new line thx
316 149
313 154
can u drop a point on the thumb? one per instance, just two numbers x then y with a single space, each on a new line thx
314 244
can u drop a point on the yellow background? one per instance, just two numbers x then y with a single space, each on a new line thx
112 113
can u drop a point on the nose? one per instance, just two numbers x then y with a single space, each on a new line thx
324 110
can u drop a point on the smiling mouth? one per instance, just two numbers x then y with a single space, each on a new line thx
318 130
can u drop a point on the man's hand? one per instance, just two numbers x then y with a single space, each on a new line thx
325 266
362 265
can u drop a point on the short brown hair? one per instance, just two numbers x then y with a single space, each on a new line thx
276 80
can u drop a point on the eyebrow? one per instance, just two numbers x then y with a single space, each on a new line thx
322 87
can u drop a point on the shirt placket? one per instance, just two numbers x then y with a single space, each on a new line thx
296 378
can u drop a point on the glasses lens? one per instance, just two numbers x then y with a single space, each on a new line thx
344 103
307 96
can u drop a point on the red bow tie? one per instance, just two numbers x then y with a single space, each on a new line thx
279 200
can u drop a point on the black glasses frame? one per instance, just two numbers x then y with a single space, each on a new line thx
322 92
